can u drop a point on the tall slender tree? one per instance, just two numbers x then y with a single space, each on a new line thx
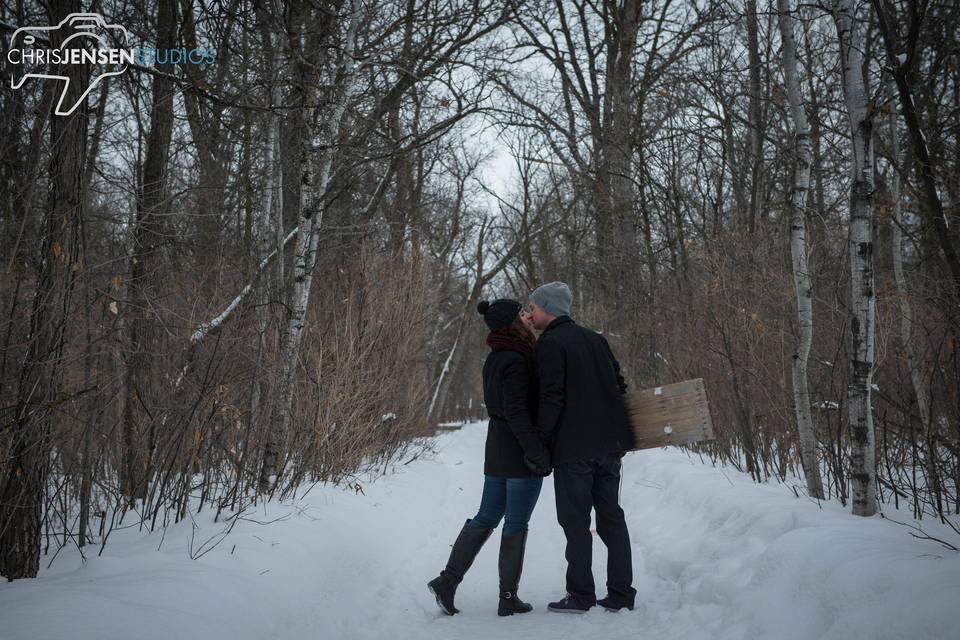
799 191
305 43
860 114
41 375
144 336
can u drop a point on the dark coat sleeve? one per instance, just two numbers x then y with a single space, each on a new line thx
551 370
514 387
616 366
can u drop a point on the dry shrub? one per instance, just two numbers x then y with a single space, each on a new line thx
365 385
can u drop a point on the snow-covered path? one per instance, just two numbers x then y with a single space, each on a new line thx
715 556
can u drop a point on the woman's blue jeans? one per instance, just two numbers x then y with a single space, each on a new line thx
508 499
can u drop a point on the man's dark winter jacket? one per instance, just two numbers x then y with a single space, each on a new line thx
582 413
512 406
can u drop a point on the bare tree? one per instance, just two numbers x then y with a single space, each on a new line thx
144 337
798 250
860 113
755 115
41 376
313 191
481 277
902 55
903 297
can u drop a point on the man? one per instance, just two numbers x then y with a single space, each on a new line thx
583 418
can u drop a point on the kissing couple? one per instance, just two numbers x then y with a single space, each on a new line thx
555 405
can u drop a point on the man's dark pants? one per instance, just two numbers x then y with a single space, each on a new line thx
582 486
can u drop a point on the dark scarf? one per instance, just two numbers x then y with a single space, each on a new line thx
511 339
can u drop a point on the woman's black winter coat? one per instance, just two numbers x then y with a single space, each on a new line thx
512 405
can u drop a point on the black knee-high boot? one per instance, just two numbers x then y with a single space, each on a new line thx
465 549
512 548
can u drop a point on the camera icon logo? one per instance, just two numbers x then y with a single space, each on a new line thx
86 39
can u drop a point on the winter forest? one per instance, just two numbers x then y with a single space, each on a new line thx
226 281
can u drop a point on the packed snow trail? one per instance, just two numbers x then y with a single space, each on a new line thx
715 556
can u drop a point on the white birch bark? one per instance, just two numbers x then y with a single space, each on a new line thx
278 202
798 251
314 186
206 327
862 300
443 374
267 220
451 366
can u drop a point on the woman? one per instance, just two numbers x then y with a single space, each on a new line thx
515 460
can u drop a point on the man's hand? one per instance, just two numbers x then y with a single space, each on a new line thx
541 465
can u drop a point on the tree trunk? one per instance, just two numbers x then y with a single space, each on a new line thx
90 405
927 193
756 130
139 413
22 496
862 301
313 187
453 362
906 309
204 119
798 251
613 184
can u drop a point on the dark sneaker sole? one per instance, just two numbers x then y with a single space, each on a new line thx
440 604
556 610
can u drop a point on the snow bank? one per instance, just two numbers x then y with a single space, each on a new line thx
715 556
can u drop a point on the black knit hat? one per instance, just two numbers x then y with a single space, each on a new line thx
499 313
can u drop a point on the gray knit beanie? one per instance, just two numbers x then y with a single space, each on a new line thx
553 297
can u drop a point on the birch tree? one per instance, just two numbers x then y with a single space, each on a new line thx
313 179
798 251
860 113
481 278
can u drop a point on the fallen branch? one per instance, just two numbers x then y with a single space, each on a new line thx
923 534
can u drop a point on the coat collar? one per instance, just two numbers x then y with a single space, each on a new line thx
558 321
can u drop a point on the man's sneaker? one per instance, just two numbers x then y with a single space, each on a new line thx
568 605
610 604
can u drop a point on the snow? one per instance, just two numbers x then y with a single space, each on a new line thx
715 556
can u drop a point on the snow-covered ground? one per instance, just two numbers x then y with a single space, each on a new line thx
715 556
